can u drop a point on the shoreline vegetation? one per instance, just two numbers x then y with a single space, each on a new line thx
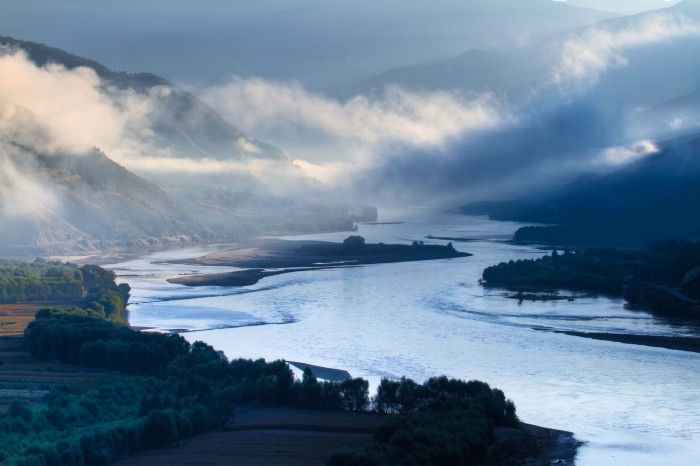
148 391
664 279
264 258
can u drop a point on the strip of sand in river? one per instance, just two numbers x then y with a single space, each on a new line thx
267 257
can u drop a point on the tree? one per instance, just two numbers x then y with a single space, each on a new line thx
354 243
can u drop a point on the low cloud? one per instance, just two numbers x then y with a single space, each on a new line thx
587 55
446 147
71 107
325 134
52 110
621 155
437 148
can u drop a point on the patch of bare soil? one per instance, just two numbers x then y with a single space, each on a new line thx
272 436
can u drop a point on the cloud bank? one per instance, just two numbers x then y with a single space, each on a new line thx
445 146
438 147
330 137
585 56
72 109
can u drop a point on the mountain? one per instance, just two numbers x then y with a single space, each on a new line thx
181 121
623 6
64 203
59 198
654 198
639 71
324 45
679 115
512 71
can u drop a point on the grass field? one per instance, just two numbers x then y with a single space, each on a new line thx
14 318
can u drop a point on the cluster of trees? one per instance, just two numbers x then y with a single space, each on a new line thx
42 280
355 245
664 278
39 281
99 423
80 336
554 235
441 422
170 389
586 271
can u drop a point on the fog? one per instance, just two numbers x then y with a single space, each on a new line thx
297 75
441 147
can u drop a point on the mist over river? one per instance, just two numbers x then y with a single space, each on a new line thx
631 404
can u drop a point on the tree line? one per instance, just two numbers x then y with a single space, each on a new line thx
39 281
168 390
162 389
664 278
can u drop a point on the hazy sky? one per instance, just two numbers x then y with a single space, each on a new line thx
627 7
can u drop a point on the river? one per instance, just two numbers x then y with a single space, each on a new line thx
631 404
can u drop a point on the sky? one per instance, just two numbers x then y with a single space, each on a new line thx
626 7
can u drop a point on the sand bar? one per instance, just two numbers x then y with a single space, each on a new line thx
267 257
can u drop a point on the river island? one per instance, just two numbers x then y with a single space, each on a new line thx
267 257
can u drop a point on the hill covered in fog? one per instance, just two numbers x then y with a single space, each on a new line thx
64 121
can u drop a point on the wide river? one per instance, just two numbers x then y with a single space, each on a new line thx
631 404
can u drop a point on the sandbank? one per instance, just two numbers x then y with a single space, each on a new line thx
266 257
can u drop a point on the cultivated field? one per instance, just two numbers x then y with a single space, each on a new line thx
14 318
21 376
258 436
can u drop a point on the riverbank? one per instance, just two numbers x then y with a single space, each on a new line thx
691 344
263 258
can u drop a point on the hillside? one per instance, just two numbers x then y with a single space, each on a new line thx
654 198
87 202
180 120
58 195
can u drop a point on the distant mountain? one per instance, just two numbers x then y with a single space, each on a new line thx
512 71
654 198
326 45
679 115
623 6
649 74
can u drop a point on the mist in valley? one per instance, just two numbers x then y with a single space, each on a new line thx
267 108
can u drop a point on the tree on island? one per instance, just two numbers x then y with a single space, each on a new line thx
354 243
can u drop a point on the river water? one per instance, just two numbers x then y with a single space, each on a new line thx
631 404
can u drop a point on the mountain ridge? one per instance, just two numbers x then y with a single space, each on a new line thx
651 199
